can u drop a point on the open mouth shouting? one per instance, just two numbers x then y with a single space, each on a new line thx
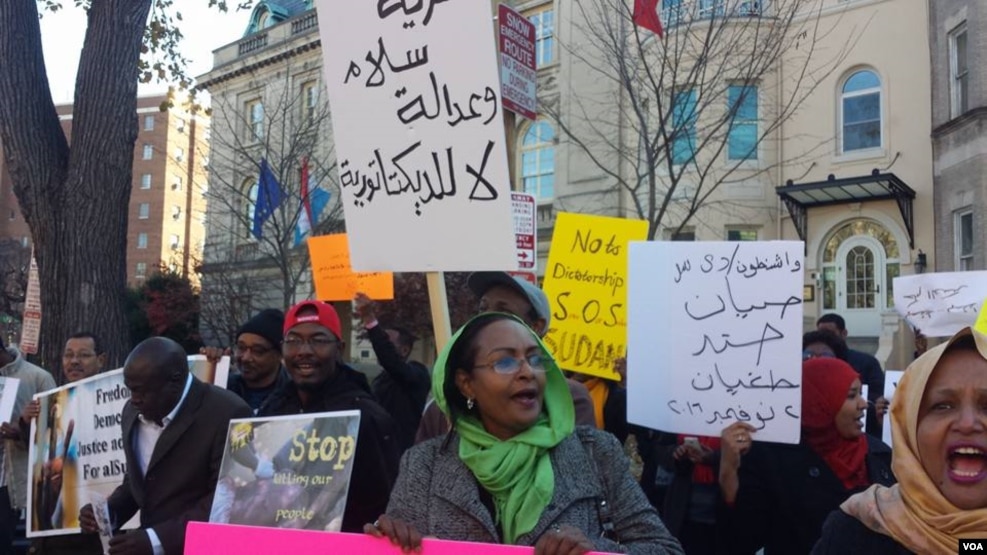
966 463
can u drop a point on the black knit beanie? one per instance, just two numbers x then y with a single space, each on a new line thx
268 323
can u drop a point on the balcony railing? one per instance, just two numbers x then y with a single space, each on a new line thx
252 43
304 23
676 12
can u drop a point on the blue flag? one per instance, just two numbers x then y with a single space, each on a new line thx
318 200
268 198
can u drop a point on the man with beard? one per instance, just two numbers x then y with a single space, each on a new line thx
320 382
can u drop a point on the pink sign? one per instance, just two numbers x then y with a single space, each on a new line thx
203 538
518 76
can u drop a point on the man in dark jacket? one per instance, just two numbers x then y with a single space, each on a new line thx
869 369
321 382
403 386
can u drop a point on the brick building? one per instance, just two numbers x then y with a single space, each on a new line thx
167 203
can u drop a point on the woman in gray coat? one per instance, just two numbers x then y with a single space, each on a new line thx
513 470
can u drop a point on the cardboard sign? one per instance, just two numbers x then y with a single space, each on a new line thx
287 471
218 375
76 451
891 379
419 134
335 279
216 539
940 304
8 398
715 336
586 285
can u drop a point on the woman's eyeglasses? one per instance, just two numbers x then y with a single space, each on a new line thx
510 365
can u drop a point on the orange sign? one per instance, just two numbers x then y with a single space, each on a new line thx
334 277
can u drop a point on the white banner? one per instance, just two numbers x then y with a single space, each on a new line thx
940 304
715 336
416 112
891 379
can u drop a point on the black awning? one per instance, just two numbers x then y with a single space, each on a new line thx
876 186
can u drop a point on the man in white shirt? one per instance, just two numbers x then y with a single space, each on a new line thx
174 430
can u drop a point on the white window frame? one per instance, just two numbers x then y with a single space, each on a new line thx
143 211
543 35
174 241
742 229
148 152
958 76
962 261
140 272
142 240
880 111
534 149
148 123
254 110
146 181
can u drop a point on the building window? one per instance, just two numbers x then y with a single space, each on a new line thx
538 160
860 112
176 212
142 240
963 235
310 101
180 125
144 211
176 184
683 126
959 72
173 242
742 137
741 234
148 123
148 152
255 118
146 181
179 154
141 271
544 21
684 234
250 190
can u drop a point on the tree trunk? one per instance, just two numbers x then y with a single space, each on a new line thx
76 200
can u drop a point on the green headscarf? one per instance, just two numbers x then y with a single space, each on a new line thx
517 472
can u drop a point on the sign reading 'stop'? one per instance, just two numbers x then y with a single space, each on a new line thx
418 133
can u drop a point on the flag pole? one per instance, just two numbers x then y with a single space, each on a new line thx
439 303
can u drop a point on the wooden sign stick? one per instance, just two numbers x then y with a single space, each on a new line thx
439 304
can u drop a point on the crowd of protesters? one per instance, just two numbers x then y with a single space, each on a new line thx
497 444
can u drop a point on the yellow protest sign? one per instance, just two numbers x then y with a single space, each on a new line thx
586 285
334 277
981 324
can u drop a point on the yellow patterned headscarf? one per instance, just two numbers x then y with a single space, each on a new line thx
914 512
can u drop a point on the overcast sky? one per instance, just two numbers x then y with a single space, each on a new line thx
205 30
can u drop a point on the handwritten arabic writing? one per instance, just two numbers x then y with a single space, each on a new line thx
414 91
940 304
717 328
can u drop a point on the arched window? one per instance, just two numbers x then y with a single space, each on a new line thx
250 191
860 112
538 160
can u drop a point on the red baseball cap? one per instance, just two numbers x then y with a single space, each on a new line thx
325 315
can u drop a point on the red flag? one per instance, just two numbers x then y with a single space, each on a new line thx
646 15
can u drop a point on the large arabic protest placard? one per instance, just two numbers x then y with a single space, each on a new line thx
586 285
334 277
417 123
204 538
940 304
76 450
287 471
715 336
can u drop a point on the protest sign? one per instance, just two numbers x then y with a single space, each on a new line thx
287 471
216 375
335 279
981 323
940 304
715 337
8 398
586 285
891 379
76 451
209 539
415 97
